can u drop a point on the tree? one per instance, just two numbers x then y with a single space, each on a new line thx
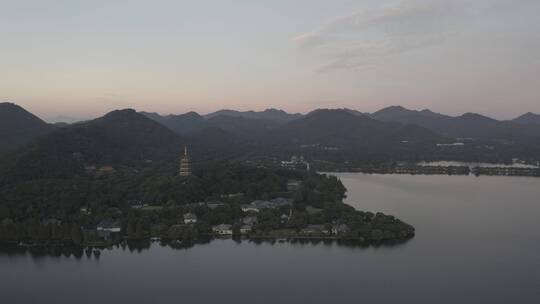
139 233
76 235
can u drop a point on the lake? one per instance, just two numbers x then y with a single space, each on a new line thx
478 241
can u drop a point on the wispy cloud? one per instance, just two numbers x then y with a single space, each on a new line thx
362 39
345 63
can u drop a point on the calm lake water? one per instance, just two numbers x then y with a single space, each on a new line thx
478 241
472 165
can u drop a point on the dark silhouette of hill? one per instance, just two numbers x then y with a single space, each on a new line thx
474 125
252 125
182 123
355 112
119 137
468 125
342 128
425 118
246 128
528 118
275 115
192 123
18 127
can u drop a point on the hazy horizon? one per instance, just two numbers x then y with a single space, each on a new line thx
84 59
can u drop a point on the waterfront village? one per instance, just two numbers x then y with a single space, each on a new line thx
286 203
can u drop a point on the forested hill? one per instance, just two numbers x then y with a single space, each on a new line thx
524 129
192 123
393 123
275 115
117 138
182 124
343 129
18 127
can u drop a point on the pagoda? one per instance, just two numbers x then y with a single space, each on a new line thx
185 164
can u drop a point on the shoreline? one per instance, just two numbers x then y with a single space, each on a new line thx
442 170
94 247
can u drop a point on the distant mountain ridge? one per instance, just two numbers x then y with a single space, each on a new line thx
252 124
342 128
528 118
192 122
468 125
181 123
278 116
403 115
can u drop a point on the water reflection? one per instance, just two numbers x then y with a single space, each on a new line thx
139 246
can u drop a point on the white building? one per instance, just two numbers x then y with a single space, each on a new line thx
247 208
109 226
223 229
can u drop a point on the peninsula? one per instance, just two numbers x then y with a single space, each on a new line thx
216 200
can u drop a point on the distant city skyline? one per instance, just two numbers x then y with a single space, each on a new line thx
82 59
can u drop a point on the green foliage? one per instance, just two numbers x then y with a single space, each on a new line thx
318 189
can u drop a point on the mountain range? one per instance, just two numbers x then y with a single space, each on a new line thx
255 124
192 122
341 128
19 127
275 115
468 125
35 149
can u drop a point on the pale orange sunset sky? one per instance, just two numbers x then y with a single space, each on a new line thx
85 58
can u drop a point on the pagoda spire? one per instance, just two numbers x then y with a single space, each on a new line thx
185 164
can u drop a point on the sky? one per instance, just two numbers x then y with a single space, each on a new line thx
84 58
